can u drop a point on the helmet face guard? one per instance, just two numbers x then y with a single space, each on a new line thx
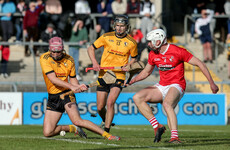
154 36
56 48
123 19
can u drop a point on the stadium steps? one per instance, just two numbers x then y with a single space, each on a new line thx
219 72
21 70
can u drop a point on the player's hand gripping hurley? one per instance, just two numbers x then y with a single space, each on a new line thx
108 78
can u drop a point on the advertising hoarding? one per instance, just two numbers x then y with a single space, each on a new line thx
11 108
193 109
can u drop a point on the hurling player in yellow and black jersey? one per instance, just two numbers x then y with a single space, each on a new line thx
118 47
58 68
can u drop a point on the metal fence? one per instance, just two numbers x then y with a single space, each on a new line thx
35 83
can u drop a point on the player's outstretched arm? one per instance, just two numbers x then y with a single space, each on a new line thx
143 74
91 53
76 86
130 62
197 62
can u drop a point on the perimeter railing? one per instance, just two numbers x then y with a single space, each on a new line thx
94 16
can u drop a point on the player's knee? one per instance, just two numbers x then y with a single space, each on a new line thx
136 99
110 105
166 105
47 133
100 108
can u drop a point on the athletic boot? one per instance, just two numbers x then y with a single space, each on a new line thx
175 141
158 132
114 138
102 125
80 132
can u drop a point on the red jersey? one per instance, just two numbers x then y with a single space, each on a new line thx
171 65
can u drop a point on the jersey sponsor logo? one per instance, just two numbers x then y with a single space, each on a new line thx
116 52
165 67
111 40
60 75
126 44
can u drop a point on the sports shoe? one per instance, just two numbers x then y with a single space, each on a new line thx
175 141
80 132
102 125
158 132
114 138
4 75
192 40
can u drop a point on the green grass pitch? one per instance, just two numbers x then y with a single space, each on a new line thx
29 137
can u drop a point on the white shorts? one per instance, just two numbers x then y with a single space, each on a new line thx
164 89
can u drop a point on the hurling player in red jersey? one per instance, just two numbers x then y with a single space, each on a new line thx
169 59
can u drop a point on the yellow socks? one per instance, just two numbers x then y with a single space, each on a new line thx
106 135
72 129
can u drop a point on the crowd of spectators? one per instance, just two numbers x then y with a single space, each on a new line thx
44 19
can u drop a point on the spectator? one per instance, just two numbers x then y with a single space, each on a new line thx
104 7
82 7
53 10
21 8
196 7
133 7
93 36
30 25
220 22
203 30
48 34
82 11
79 35
4 62
211 4
228 56
147 10
227 11
137 35
42 21
119 7
8 8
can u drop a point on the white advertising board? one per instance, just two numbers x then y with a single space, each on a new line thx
10 108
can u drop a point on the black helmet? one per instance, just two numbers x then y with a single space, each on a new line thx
122 19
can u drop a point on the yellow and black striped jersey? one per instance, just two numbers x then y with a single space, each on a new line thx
63 69
116 51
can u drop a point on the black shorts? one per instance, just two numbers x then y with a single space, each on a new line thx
55 103
106 88
229 56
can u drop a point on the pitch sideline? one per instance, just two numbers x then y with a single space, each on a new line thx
84 142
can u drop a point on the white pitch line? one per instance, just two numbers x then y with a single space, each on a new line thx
149 129
79 141
58 139
85 142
